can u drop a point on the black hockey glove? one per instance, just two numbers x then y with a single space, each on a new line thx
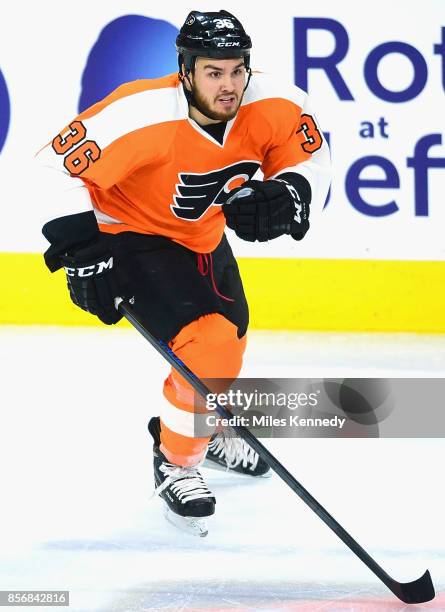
92 281
270 209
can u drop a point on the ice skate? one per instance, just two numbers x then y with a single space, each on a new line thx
233 454
188 500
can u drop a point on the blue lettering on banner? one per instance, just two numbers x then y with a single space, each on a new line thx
5 110
420 162
129 48
303 62
367 128
354 183
419 66
382 125
439 49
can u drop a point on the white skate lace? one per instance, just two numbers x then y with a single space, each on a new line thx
234 451
185 482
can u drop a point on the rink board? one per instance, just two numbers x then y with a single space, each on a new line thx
294 294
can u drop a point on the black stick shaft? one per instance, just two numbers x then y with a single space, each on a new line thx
268 457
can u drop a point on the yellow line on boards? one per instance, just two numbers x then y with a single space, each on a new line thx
293 294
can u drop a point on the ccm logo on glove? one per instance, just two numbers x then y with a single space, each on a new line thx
264 210
93 270
93 280
296 198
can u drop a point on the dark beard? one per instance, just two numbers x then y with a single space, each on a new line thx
204 108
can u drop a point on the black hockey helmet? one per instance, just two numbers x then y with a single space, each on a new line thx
219 35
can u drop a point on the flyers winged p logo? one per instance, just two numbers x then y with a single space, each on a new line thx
197 192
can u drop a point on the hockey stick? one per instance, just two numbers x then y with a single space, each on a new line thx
418 591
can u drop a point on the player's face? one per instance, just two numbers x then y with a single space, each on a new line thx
219 86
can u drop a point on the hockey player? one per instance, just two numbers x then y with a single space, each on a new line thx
149 177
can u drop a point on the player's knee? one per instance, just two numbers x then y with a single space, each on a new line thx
210 347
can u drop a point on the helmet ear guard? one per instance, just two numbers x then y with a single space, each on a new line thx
188 60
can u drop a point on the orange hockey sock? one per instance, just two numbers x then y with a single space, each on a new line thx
211 348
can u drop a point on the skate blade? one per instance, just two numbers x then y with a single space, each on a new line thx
187 524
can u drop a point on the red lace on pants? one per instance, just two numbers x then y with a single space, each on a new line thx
205 267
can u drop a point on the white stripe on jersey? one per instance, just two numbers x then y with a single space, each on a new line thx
264 86
132 113
105 219
64 195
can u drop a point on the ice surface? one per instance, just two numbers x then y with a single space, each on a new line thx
76 481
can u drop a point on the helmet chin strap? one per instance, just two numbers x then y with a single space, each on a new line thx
190 95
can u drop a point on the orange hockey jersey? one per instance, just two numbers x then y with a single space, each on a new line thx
142 165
